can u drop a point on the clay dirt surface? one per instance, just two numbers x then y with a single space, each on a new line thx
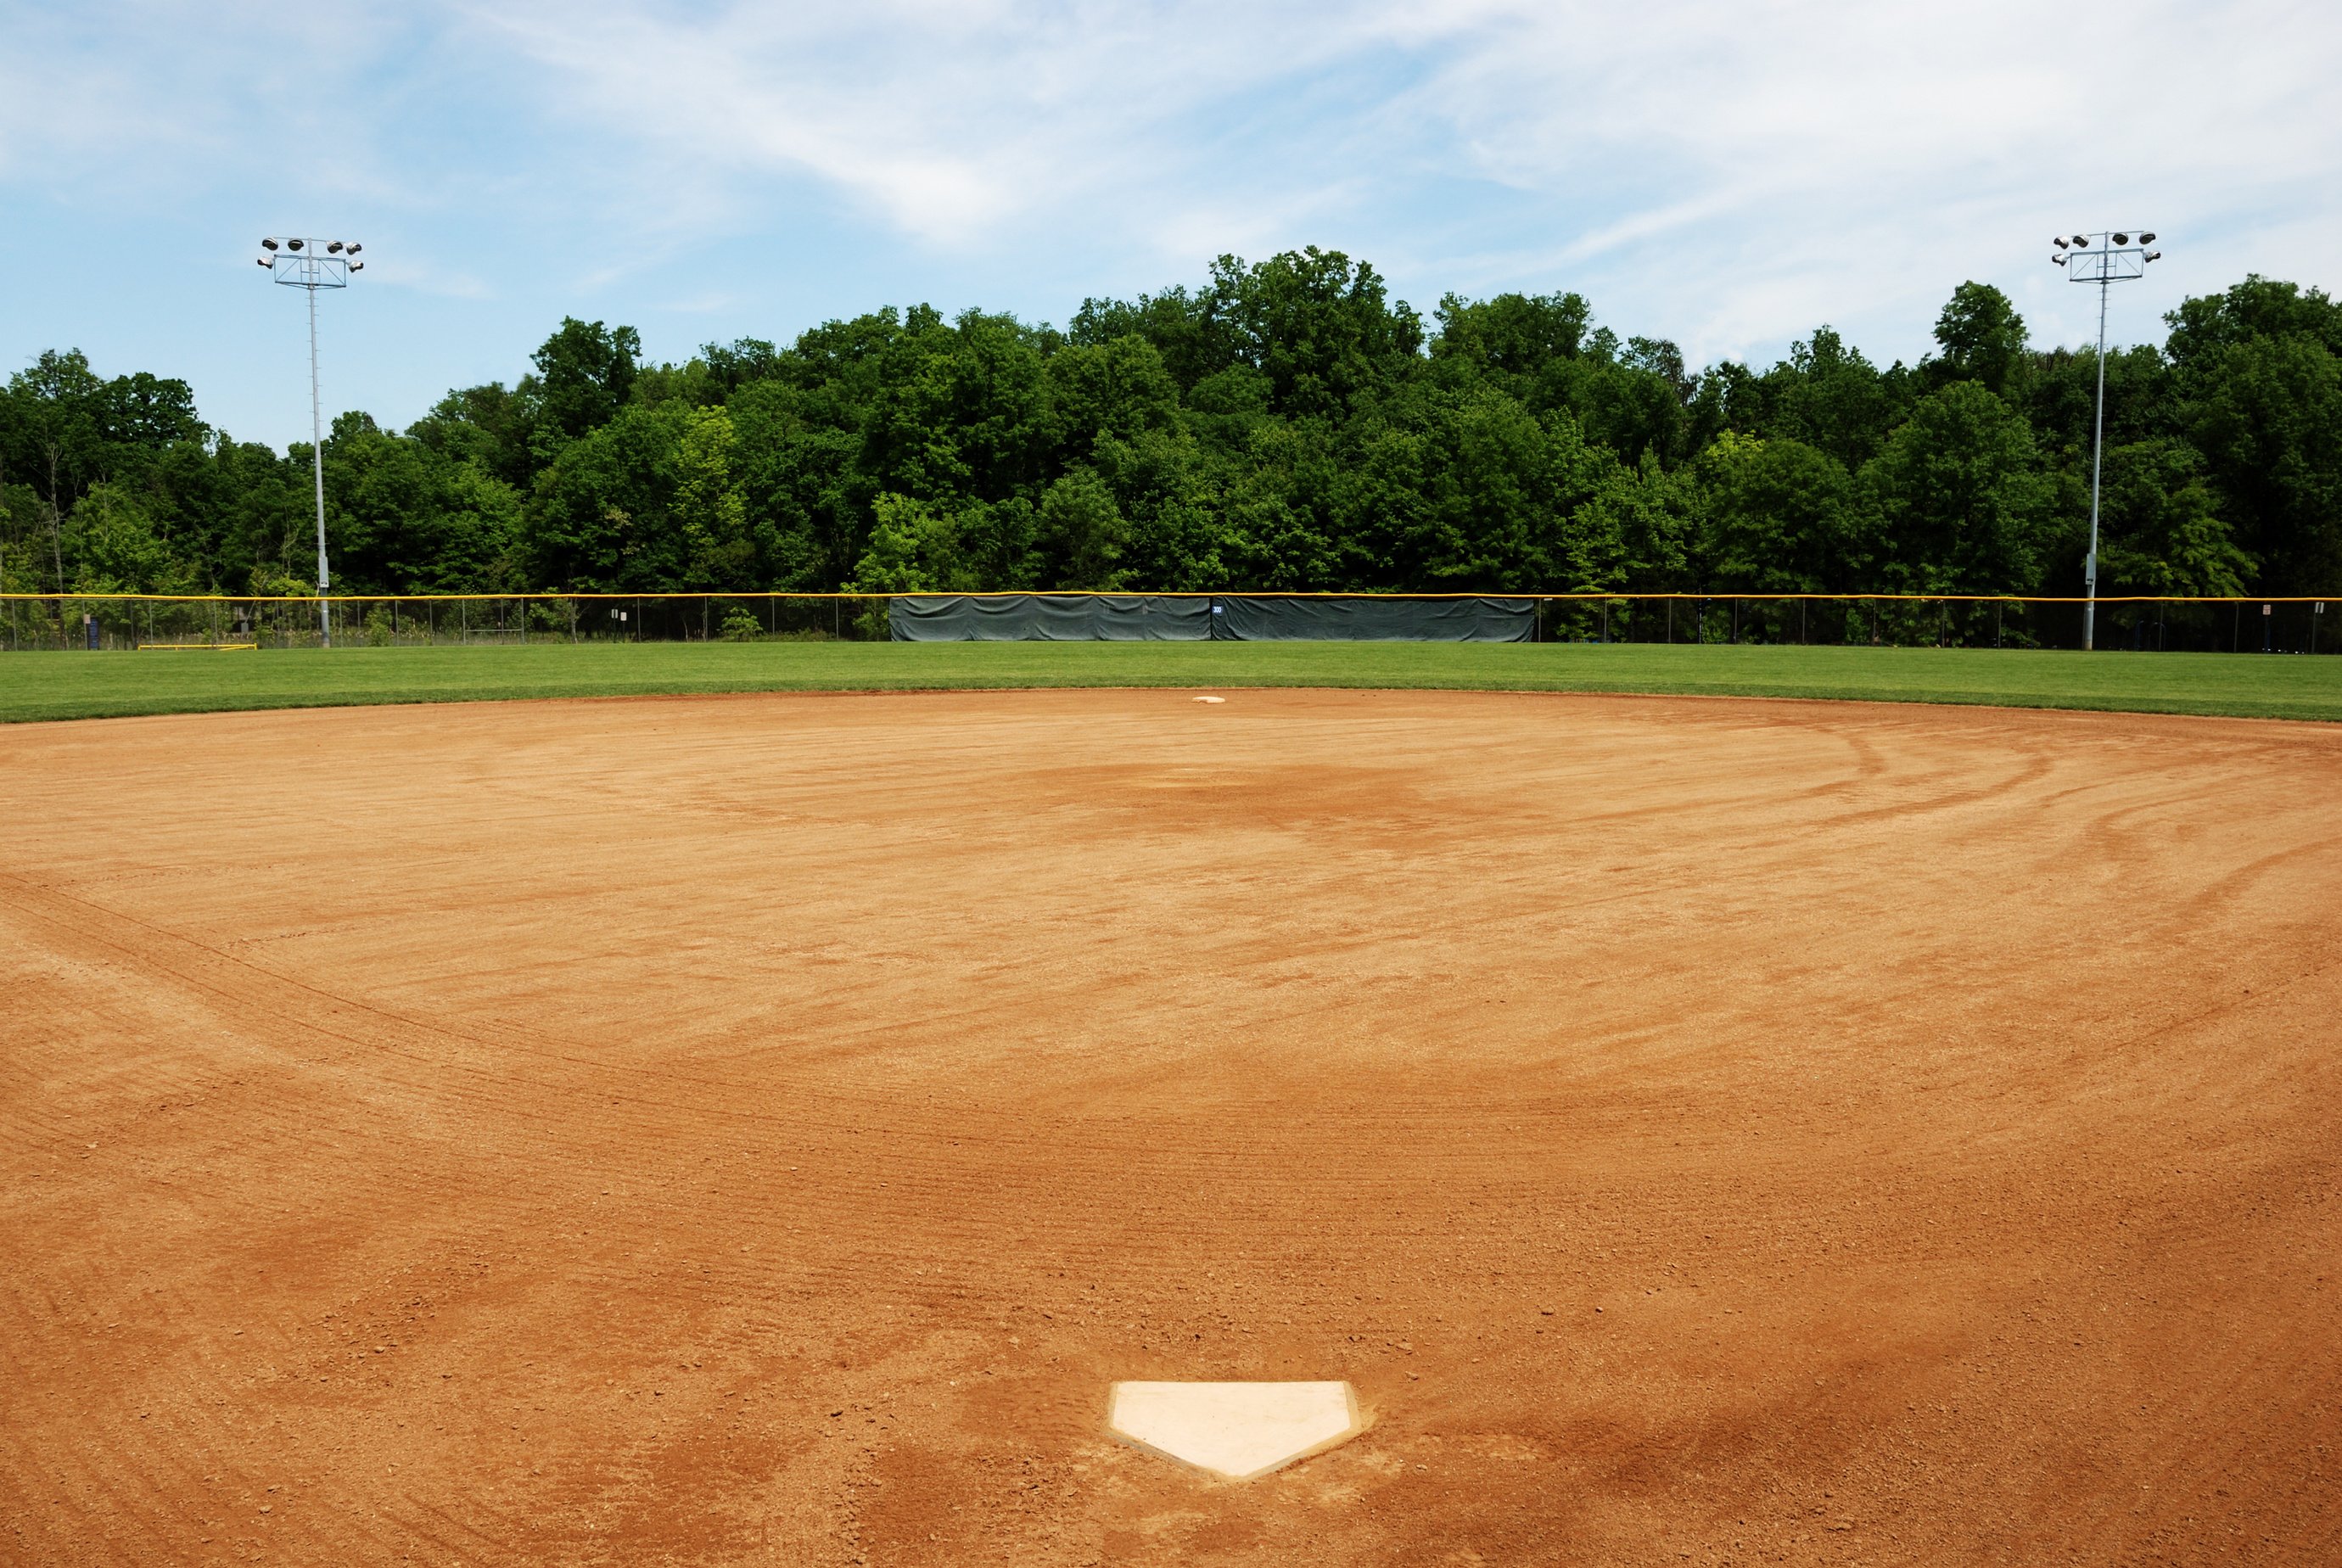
761 1129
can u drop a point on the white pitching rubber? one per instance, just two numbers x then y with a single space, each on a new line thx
1238 1431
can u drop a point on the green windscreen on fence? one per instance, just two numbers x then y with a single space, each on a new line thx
1373 618
1235 617
1049 618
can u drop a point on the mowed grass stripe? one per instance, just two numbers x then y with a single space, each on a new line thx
78 685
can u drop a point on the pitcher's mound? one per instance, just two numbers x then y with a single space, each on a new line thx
1236 1430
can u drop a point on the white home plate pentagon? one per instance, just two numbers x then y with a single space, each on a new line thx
1238 1430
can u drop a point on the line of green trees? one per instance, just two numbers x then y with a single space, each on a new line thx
1286 425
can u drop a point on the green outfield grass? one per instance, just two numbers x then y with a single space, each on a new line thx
74 686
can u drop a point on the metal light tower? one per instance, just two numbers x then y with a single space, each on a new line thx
313 264
2106 258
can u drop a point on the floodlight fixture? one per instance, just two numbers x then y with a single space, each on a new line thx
2060 242
309 268
2112 260
268 244
2055 261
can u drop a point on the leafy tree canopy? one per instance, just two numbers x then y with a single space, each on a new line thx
1284 423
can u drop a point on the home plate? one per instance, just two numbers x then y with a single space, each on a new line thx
1236 1430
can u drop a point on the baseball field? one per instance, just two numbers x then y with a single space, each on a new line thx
759 1128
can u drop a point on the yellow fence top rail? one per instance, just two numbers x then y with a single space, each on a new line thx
1580 598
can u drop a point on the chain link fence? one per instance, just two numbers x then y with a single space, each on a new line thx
230 623
122 621
2287 626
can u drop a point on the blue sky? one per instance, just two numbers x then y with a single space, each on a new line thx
1730 174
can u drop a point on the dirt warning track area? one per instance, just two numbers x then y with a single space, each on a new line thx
760 1129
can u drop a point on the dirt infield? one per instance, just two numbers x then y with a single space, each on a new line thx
759 1129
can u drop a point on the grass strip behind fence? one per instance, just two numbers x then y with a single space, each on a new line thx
78 685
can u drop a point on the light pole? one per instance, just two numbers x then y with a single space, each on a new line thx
313 264
2105 259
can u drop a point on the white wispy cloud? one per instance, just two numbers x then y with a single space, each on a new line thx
951 124
1701 150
